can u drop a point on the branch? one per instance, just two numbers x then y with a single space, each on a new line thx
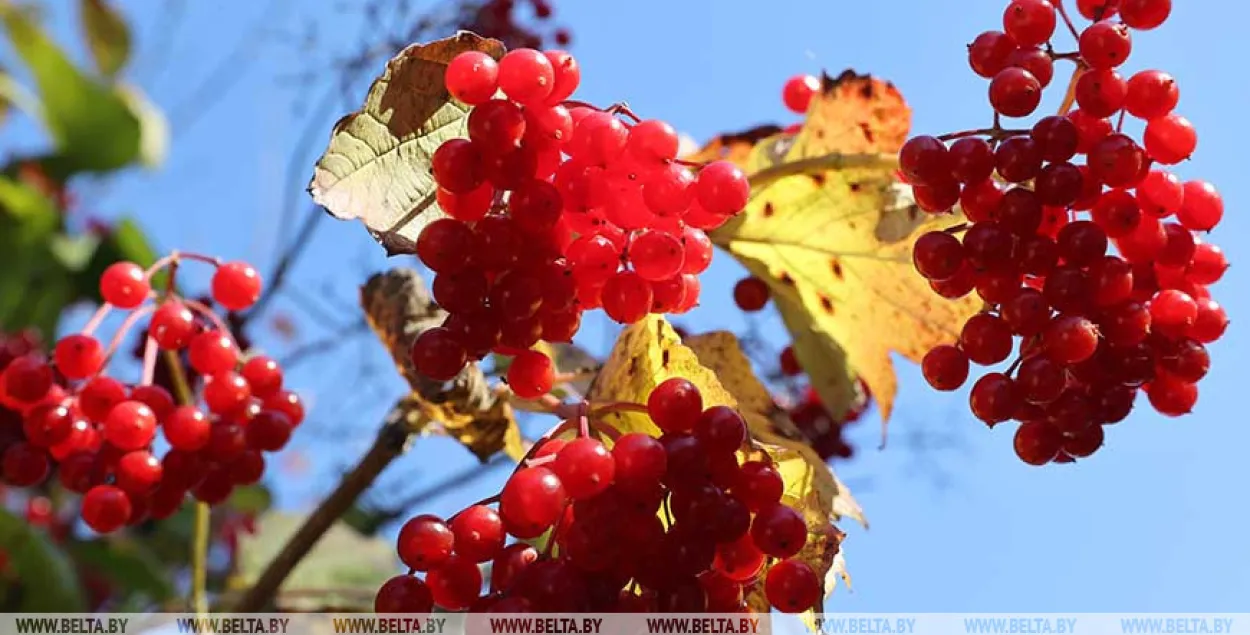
398 308
388 445
825 163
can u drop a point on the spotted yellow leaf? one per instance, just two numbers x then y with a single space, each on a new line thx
650 352
377 166
830 229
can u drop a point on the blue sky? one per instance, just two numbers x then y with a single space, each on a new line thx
1150 523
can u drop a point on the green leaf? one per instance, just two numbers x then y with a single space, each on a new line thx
343 571
108 36
377 166
253 499
31 280
48 580
94 128
153 126
128 564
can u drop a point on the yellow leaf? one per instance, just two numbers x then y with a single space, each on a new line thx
377 166
649 352
735 146
804 472
831 231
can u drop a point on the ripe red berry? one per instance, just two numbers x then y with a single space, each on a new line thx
1172 312
478 533
1171 396
1203 207
721 188
455 584
751 294
131 425
437 354
187 428
945 367
675 405
640 462
1105 44
472 77
1029 22
124 285
779 531
989 52
1037 442
1151 94
425 542
212 352
526 76
1170 139
268 431
532 501
24 465
105 508
1145 14
264 375
404 594
172 325
758 485
792 586
531 375
656 255
138 472
798 91
721 430
994 398
585 468
566 72
1015 92
78 356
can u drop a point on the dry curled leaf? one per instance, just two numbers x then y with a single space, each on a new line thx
833 241
377 166
399 308
734 146
649 352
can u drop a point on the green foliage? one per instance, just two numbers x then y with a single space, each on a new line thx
107 35
47 581
129 565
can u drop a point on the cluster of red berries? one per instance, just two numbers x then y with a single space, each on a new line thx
556 208
498 19
603 508
100 434
1095 265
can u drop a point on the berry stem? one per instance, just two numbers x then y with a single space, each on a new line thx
1063 13
134 317
199 307
825 163
1069 97
149 361
200 538
175 257
540 461
957 229
600 411
97 318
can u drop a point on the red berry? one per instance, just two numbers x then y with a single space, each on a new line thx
472 77
404 593
640 462
656 255
1145 14
1170 139
532 501
264 375
531 375
1015 92
675 405
792 586
212 352
526 76
1029 22
1171 396
78 356
989 52
751 294
1105 44
172 325
478 533
225 393
138 472
1151 94
1203 207
779 531
721 430
105 508
131 425
798 91
924 160
721 188
124 285
1101 92
758 485
945 367
1037 442
585 468
994 398
1172 312
24 465
455 584
437 354
268 431
27 379
425 542
627 297
236 285
1070 339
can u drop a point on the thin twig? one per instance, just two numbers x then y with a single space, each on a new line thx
1069 97
825 163
325 344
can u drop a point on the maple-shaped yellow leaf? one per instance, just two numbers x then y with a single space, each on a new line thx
830 229
377 165
649 352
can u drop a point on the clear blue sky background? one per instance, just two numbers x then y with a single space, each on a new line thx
1154 522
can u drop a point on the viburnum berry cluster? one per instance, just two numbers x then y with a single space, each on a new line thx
101 435
624 523
1079 240
555 208
499 19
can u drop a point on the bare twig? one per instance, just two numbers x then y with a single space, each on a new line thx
324 345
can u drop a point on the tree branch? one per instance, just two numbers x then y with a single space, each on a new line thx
398 308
